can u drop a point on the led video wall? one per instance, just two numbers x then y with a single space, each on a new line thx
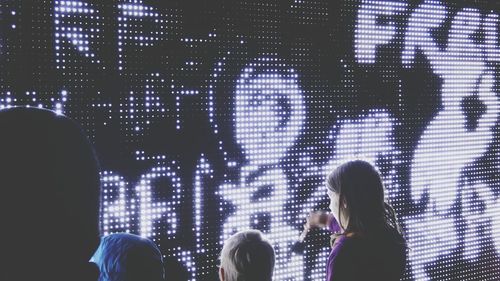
211 117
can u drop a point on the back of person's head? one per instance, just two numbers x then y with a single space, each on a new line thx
128 257
360 189
49 208
247 256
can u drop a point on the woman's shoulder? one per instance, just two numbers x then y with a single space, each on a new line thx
349 244
365 242
378 259
341 238
367 250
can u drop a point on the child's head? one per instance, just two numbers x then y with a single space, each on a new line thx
124 256
356 196
247 256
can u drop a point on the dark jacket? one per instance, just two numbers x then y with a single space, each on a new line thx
359 258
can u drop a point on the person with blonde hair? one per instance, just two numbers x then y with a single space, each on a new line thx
247 256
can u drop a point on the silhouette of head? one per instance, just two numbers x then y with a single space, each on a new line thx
247 256
49 205
356 192
128 257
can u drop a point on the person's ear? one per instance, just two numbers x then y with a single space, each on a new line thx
221 274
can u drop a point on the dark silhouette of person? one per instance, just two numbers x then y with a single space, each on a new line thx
49 203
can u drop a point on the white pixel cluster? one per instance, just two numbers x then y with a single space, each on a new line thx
270 112
369 34
269 115
116 210
151 211
119 207
145 106
318 272
368 138
51 101
203 170
132 36
449 145
76 25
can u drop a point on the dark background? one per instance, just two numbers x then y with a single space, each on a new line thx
315 38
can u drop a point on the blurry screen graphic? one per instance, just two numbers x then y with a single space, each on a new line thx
211 117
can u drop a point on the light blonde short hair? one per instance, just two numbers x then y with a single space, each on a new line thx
247 256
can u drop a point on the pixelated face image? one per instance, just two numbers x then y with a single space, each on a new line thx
269 115
229 114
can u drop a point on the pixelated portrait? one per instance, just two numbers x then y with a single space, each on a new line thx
212 117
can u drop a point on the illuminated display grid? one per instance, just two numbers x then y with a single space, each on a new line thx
215 117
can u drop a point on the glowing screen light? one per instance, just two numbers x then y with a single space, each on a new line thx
217 116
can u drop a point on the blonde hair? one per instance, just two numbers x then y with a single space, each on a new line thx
247 256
